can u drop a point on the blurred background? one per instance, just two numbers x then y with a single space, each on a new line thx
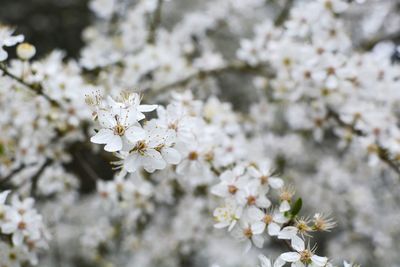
48 24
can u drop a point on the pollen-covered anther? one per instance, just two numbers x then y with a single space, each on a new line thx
268 219
21 225
232 189
305 256
193 155
251 200
119 130
247 232
264 179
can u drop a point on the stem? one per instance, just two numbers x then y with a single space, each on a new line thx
370 43
6 179
35 178
155 23
36 88
383 153
284 14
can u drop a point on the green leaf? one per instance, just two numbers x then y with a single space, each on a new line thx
296 207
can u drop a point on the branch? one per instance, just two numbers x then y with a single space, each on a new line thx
370 43
6 179
155 23
284 14
35 178
382 152
36 88
87 168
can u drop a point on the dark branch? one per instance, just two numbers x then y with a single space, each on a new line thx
382 152
370 43
156 20
36 88
284 14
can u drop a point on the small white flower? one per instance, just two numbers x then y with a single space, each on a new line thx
250 232
227 215
231 182
7 39
266 262
302 256
263 174
272 220
252 194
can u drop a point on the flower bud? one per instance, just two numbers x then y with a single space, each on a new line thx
26 51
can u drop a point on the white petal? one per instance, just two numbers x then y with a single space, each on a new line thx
265 262
106 119
219 190
3 196
290 256
17 238
275 183
247 246
3 54
263 202
13 40
147 108
255 214
113 145
280 218
279 262
298 264
319 261
135 133
254 172
258 241
298 243
288 232
285 206
102 137
233 223
132 162
153 161
221 225
8 228
171 155
273 229
258 227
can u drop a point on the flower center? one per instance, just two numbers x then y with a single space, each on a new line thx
193 155
232 189
305 256
268 218
251 200
140 147
21 225
119 130
247 232
286 196
264 179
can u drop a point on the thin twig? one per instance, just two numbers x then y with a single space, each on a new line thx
284 14
88 169
156 20
35 178
370 43
382 152
6 179
36 88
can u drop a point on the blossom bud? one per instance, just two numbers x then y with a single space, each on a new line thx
26 51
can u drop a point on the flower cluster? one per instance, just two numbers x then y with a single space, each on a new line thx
239 129
23 232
